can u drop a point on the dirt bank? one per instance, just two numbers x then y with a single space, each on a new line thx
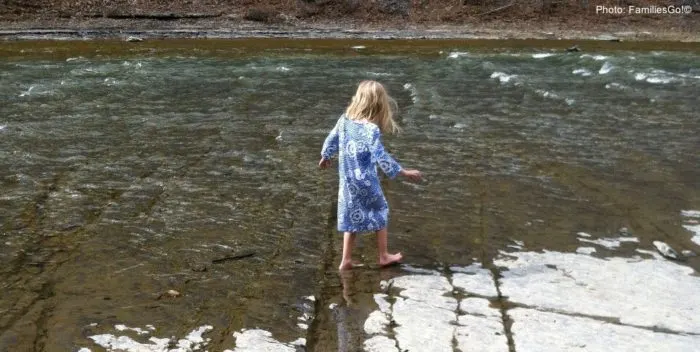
541 19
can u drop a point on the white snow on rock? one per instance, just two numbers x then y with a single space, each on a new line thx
536 331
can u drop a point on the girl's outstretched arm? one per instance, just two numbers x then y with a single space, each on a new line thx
390 167
330 145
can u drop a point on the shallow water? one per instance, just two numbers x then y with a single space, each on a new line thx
126 172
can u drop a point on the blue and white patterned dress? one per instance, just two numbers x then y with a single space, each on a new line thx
361 203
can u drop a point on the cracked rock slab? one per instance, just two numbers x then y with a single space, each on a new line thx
535 331
641 292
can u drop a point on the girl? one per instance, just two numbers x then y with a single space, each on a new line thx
357 139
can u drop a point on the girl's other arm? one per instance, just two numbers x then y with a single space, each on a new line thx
390 167
330 145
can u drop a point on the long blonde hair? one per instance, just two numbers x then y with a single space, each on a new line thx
372 103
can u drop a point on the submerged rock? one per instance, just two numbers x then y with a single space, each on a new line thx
688 253
666 250
197 267
573 49
169 294
133 39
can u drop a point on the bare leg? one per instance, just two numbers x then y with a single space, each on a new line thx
348 243
385 258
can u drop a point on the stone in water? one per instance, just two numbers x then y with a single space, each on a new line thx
688 253
666 250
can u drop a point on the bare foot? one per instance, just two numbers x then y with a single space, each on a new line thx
390 259
349 265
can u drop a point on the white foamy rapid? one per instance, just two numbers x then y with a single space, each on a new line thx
413 91
457 54
594 57
503 77
616 86
582 72
606 68
379 74
551 95
657 77
541 55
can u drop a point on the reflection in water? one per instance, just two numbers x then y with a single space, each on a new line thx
345 313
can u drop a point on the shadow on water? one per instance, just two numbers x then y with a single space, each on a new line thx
172 186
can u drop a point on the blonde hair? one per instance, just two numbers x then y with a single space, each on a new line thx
372 103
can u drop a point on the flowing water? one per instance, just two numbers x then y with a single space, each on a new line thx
131 170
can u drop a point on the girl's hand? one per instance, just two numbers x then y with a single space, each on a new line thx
324 164
413 175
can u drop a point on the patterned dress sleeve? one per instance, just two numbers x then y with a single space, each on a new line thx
330 145
390 167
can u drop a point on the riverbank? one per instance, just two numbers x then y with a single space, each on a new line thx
106 28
